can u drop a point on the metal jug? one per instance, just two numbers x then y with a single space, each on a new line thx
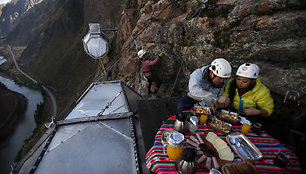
186 163
180 123
193 123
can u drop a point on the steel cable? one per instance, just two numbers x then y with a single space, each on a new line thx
145 27
199 10
182 61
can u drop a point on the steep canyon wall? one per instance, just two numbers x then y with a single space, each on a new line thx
269 33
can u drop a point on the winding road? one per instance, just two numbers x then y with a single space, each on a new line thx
29 77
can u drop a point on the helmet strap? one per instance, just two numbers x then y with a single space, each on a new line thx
213 76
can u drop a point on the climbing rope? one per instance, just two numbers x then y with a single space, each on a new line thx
199 10
145 27
177 75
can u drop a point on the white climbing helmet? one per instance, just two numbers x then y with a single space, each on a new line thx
248 70
141 53
220 67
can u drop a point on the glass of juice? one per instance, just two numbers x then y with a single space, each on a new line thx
245 127
203 119
174 145
174 153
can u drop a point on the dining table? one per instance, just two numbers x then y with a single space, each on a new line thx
158 162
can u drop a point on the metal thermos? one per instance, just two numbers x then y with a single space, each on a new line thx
186 163
180 123
193 123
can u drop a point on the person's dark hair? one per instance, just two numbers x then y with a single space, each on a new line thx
231 91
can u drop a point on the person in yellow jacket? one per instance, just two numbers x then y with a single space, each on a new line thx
247 94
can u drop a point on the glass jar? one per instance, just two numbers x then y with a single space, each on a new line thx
174 145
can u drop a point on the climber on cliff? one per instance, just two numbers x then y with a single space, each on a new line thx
206 86
147 64
248 95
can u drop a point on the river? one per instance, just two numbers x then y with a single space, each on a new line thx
24 128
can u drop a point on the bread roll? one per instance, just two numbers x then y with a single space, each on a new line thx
240 168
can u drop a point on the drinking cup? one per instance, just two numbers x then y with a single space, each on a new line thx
203 119
245 127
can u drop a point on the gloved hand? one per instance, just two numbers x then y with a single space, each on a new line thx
161 54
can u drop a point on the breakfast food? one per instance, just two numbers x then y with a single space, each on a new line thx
226 154
200 138
222 148
200 110
192 143
220 126
216 164
227 116
231 115
220 144
239 168
212 152
208 163
211 137
201 159
195 139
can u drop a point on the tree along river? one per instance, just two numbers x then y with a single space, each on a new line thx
26 125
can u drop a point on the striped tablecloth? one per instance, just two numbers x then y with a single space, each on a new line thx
158 162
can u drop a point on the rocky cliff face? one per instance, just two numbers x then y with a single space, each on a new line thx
12 12
269 33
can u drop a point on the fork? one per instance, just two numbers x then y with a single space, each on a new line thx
242 151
